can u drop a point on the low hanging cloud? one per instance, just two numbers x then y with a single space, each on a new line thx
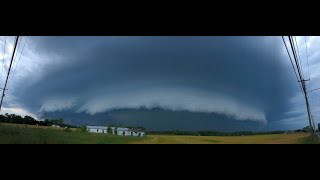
175 100
57 104
246 78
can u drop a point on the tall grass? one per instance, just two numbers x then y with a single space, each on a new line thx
10 134
251 139
312 139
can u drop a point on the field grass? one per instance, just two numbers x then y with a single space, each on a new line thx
29 134
310 140
22 134
254 139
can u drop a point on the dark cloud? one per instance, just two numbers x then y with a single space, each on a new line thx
83 73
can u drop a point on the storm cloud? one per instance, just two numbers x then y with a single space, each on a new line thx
244 78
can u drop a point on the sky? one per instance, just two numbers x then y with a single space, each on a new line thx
161 82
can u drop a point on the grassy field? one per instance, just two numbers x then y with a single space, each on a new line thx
255 139
22 134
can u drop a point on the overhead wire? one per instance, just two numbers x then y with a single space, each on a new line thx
299 59
3 58
302 81
5 85
295 72
17 63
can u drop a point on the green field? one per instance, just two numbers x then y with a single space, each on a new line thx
22 134
253 139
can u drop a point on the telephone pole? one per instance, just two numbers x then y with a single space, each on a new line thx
303 84
5 85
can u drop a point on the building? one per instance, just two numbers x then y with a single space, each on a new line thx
97 129
121 131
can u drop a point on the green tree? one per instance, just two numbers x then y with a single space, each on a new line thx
115 130
83 129
306 129
109 130
60 121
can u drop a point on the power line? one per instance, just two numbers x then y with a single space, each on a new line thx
305 39
5 85
292 63
296 61
302 81
299 59
14 69
4 53
305 93
15 57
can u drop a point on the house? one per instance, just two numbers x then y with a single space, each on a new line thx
128 132
136 132
121 131
97 129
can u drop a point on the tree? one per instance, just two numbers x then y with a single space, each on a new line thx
60 121
29 120
83 129
115 131
48 122
109 130
306 129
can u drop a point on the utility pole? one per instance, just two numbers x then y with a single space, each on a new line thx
308 108
303 84
308 105
5 85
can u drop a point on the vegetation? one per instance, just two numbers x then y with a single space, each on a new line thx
12 118
23 130
109 130
67 129
83 129
312 139
252 139
115 130
20 134
212 133
31 134
218 133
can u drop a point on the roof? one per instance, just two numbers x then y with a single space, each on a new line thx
137 130
118 128
122 129
97 127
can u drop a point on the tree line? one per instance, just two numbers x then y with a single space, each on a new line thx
212 133
17 119
219 133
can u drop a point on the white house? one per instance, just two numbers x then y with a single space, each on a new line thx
97 129
121 131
